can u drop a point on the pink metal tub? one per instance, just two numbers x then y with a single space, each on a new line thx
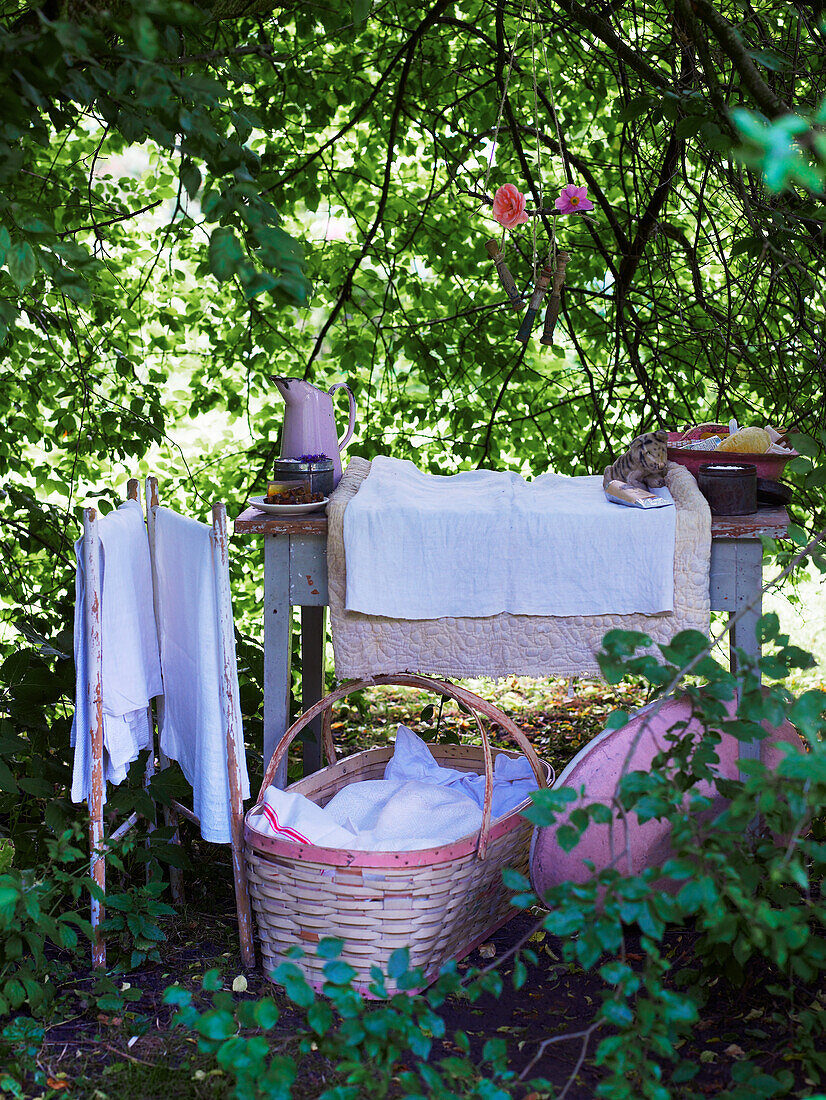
598 767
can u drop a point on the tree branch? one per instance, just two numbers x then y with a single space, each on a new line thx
648 221
732 45
608 36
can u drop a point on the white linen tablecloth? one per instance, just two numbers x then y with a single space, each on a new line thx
421 546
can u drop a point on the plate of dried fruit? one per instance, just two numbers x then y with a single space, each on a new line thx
274 509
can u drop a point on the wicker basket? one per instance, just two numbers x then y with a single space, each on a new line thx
438 902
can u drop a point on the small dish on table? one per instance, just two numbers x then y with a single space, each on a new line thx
275 509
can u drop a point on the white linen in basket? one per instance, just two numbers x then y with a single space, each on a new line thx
418 804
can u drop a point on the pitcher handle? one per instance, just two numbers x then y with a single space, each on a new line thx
342 443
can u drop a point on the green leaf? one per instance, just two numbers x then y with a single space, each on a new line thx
190 178
320 1017
38 788
614 972
176 995
216 1024
515 880
805 444
636 108
7 780
257 282
769 60
212 981
399 963
329 948
22 264
807 714
146 36
698 894
338 972
361 10
266 1014
295 984
616 720
617 1013
567 837
685 1071
225 254
688 127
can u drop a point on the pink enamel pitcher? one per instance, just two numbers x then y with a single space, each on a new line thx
309 423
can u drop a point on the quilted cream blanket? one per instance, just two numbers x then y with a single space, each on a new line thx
505 644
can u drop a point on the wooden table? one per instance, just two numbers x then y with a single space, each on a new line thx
295 574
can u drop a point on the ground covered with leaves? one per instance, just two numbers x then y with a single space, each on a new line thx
112 1036
133 1051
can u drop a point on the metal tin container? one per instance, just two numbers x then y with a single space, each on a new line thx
731 490
315 471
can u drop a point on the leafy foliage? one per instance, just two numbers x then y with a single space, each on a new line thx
368 1043
135 920
37 907
748 876
19 1045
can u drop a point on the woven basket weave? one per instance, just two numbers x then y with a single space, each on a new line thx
438 902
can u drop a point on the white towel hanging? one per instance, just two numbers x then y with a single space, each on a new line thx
191 719
131 669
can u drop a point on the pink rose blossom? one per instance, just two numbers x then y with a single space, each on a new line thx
573 200
509 206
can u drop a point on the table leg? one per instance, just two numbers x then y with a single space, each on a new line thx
277 650
312 681
744 632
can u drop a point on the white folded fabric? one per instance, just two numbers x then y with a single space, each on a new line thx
131 670
191 718
291 816
482 542
513 778
418 804
414 814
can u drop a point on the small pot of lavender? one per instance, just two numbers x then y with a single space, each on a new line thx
314 471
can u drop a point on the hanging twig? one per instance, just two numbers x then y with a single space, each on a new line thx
552 311
542 281
505 277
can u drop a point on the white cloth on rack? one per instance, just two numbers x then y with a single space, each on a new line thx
131 670
191 718
418 804
482 542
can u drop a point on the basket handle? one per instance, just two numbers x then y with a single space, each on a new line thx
472 702
699 427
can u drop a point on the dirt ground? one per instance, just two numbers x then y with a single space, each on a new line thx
98 1057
